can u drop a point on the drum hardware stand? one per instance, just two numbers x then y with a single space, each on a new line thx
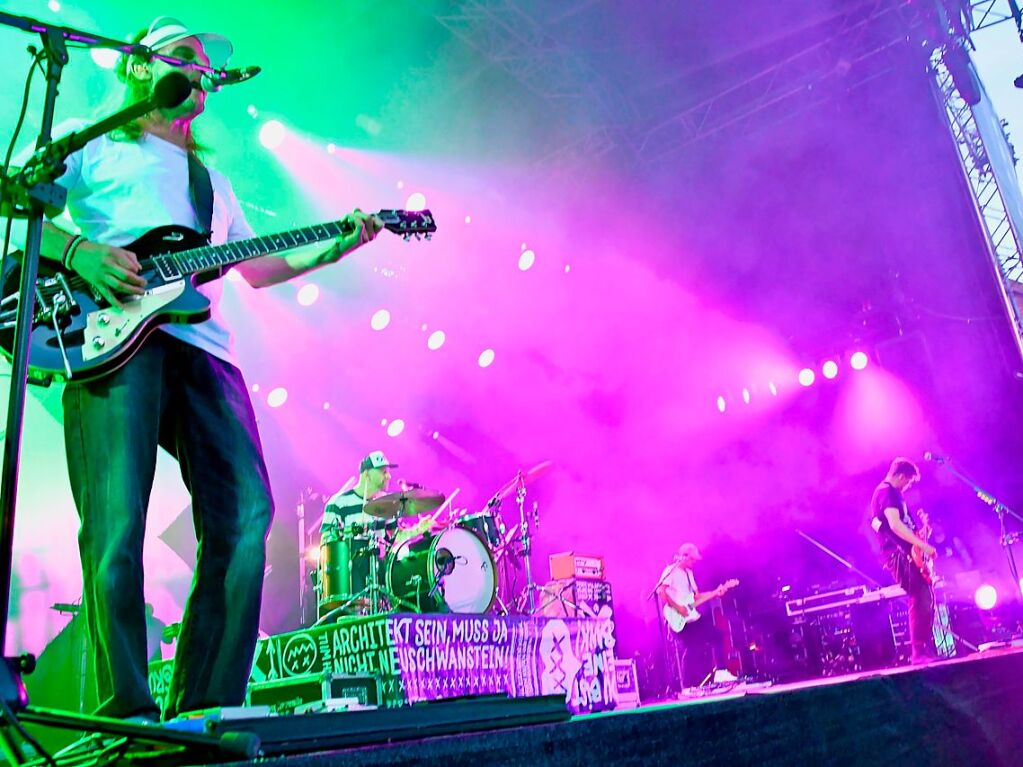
526 602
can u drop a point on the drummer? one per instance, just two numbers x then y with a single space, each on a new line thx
344 509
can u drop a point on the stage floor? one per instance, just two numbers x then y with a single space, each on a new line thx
962 711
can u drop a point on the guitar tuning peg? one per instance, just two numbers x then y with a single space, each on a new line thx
418 236
406 237
429 237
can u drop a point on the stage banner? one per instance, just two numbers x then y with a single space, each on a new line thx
431 657
445 656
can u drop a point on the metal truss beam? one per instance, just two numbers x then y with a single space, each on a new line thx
1003 238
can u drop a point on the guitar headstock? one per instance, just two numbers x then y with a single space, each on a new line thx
409 223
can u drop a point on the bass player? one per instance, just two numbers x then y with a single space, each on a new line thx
898 536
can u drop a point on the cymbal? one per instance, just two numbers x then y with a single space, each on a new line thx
525 477
407 503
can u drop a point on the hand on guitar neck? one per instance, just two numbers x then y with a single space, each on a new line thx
677 619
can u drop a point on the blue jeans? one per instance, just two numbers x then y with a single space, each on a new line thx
197 407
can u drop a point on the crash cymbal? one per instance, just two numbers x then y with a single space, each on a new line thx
407 503
523 477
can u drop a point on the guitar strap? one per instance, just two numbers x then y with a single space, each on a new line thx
201 190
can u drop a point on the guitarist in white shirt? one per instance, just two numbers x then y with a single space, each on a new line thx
694 647
181 390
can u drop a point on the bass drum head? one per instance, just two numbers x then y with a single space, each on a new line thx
450 572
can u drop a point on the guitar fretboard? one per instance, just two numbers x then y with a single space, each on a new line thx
195 260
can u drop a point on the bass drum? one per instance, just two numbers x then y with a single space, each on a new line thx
451 572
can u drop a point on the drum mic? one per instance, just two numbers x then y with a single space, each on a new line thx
929 456
409 485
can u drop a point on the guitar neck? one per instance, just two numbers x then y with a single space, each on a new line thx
210 257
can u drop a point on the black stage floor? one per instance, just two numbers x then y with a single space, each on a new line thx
960 712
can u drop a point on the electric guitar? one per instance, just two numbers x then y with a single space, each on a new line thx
77 335
924 564
677 621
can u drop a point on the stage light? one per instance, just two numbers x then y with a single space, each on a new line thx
326 406
331 148
806 377
772 388
468 219
395 427
253 112
271 134
858 361
312 555
985 596
380 320
436 435
308 294
400 184
568 268
416 201
105 57
745 395
277 397
722 404
436 340
829 369
527 259
1021 585
486 358
254 387
54 6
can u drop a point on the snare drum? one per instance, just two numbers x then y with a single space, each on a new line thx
449 572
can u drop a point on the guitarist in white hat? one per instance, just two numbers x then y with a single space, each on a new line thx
181 390
694 646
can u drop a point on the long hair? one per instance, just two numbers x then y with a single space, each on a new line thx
136 90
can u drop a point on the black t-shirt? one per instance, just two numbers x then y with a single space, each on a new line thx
887 497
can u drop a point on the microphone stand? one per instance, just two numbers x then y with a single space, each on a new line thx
41 197
1005 538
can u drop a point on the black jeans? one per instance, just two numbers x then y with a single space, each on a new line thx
197 407
694 649
921 604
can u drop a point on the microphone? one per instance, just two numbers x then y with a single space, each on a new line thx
48 163
170 90
929 456
406 486
211 83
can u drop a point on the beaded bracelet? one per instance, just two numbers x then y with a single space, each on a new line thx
69 248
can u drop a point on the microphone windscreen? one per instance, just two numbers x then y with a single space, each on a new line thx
171 90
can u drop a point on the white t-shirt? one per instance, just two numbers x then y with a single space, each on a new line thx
680 584
119 190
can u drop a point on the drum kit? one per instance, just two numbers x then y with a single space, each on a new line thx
456 567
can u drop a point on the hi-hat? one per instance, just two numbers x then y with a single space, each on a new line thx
407 503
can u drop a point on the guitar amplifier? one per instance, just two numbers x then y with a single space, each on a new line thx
571 598
580 566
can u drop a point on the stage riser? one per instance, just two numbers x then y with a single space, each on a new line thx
964 714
